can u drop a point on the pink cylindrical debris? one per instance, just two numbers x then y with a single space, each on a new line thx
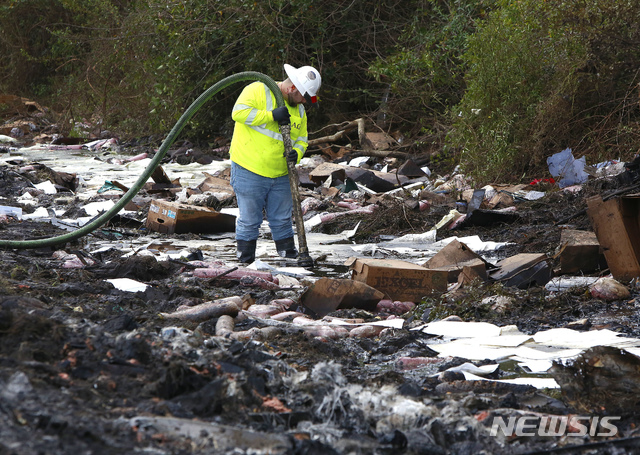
262 334
303 320
365 331
342 332
394 307
349 205
326 217
208 310
256 281
138 157
264 311
323 331
285 304
310 204
224 325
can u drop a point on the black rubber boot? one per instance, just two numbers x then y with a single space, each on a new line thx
246 250
286 248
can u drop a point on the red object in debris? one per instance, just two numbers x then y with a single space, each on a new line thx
549 180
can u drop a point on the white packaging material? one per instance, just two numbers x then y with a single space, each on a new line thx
15 212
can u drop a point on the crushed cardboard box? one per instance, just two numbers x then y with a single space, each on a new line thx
580 252
454 257
329 294
398 280
523 270
177 218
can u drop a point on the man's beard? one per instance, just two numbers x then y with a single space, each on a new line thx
290 100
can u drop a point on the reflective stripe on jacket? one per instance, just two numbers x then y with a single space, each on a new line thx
257 143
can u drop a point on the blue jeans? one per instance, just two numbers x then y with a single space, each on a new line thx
256 194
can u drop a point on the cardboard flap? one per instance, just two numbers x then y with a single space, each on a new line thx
329 294
354 264
455 253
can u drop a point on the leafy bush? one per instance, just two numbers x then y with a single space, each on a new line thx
500 84
425 70
212 39
543 76
137 65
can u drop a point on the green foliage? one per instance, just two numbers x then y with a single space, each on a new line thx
25 42
497 85
543 76
424 69
137 65
339 37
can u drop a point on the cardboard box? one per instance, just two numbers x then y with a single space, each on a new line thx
329 294
175 218
475 266
454 257
616 223
523 270
580 253
398 280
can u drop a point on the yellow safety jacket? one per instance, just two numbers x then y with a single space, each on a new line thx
257 143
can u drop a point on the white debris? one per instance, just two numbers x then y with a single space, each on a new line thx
128 285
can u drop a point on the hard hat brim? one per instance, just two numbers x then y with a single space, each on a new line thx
291 74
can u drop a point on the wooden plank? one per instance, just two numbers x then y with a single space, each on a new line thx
615 223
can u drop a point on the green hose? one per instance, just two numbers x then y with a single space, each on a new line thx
155 162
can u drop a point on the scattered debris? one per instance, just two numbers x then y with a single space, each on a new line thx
148 336
603 380
329 294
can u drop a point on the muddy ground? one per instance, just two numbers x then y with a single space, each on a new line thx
86 368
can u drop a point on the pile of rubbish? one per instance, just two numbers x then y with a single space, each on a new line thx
437 318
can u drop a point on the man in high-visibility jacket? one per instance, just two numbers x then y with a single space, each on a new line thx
258 165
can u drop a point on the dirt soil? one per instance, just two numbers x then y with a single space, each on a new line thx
87 368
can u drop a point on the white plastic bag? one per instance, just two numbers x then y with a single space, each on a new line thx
566 169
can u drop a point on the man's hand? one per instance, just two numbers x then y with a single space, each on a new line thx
281 115
292 156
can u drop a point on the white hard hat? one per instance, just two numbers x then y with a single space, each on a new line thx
306 79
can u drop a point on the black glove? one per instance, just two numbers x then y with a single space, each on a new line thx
281 115
292 156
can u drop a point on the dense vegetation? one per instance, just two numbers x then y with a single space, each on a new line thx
497 85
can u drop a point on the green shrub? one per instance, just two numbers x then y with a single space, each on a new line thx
499 85
425 70
543 76
135 66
